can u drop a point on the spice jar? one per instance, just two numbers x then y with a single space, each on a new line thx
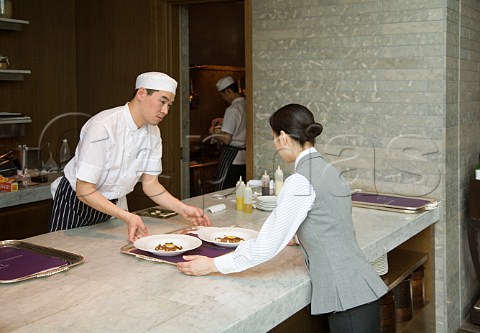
4 63
6 8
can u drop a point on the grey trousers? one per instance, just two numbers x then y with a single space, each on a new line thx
362 319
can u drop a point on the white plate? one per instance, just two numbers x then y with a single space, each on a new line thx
267 209
267 199
148 243
258 203
209 234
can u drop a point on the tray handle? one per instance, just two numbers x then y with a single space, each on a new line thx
53 271
141 256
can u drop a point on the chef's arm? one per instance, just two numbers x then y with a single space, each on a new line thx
224 138
88 194
157 192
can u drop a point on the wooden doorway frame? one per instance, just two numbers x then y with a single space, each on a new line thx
169 28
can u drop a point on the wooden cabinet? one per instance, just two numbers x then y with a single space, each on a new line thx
24 221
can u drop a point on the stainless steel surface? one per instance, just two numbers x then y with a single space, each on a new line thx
30 158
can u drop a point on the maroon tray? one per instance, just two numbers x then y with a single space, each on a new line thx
20 261
392 202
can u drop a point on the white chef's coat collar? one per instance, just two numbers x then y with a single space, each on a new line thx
128 116
310 150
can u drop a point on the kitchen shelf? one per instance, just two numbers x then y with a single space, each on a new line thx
12 24
13 74
402 263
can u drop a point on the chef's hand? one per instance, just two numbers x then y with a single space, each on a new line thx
136 227
217 122
195 215
197 265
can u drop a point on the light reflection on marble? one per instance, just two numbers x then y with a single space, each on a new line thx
115 292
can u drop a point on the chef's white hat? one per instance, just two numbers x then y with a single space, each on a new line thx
156 81
224 82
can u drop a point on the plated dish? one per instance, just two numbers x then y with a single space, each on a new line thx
167 244
226 237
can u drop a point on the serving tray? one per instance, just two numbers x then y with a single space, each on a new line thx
392 202
21 261
206 249
157 212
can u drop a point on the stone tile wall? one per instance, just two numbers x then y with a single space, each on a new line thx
398 98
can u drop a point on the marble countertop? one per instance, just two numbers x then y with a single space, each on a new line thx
115 292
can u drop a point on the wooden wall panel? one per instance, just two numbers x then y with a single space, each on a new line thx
115 43
46 46
84 56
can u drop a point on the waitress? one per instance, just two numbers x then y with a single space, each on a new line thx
118 147
315 204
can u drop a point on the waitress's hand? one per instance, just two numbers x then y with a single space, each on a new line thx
195 215
136 227
197 265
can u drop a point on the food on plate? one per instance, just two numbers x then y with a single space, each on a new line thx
229 239
168 247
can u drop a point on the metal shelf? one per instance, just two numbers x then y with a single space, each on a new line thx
12 24
13 74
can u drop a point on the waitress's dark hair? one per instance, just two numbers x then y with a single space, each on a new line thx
296 121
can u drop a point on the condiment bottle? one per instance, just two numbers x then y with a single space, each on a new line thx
265 184
247 203
278 180
239 196
477 169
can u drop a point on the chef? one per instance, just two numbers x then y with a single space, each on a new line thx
118 147
231 164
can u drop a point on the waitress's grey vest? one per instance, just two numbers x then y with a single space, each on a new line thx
341 276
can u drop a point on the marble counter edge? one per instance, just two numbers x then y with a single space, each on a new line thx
406 231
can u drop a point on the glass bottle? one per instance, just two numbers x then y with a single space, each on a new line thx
64 154
6 8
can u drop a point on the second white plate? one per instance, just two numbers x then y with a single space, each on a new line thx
212 235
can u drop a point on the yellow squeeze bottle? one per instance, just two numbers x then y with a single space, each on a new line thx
239 195
247 203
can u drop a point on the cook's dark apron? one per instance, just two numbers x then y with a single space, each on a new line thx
225 160
68 212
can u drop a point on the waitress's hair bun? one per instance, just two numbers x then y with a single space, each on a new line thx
313 130
297 121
